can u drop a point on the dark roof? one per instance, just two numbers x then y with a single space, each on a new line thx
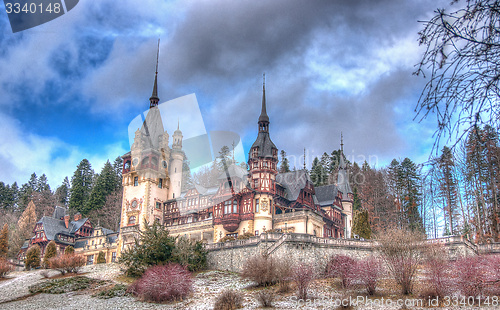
293 182
233 171
152 128
343 178
326 194
59 212
263 114
53 226
80 244
265 145
75 225
112 238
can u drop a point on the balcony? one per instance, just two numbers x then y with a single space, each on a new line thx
231 221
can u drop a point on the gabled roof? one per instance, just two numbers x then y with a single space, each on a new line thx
293 182
53 226
59 212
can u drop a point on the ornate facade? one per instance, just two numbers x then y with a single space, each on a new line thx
243 201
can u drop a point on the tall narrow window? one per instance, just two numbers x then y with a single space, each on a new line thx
160 183
235 206
256 205
136 181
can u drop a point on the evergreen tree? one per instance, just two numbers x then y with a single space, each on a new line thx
42 184
316 172
101 258
4 241
50 252
62 193
224 159
69 250
117 168
285 166
154 247
81 186
26 191
32 260
361 224
187 180
105 184
448 189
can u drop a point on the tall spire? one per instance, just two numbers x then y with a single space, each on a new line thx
341 143
153 100
263 118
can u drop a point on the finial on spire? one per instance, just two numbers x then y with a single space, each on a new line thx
263 118
341 143
304 158
153 100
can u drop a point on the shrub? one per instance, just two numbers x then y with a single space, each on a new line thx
227 238
163 283
342 267
32 260
471 275
367 272
303 274
492 263
283 274
260 269
67 263
402 251
5 267
153 247
101 258
437 269
69 250
50 251
191 254
265 298
228 300
246 235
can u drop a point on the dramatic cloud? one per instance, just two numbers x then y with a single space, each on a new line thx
331 67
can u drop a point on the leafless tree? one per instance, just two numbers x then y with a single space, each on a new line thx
463 57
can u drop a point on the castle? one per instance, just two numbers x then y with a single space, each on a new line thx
243 202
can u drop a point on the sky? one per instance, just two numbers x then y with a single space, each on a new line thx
70 88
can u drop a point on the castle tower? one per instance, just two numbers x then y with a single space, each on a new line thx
345 188
175 171
263 162
145 177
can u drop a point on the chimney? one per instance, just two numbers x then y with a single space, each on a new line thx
66 220
78 216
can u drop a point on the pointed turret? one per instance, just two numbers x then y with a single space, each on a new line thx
263 118
153 100
343 177
263 146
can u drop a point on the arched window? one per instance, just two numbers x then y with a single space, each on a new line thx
131 220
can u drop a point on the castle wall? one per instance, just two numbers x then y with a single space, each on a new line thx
309 249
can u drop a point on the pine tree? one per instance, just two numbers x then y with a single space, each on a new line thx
62 193
26 191
81 186
105 184
4 241
285 166
316 172
50 252
187 179
101 258
448 188
32 260
361 224
117 168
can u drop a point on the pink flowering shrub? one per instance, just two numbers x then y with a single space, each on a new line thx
163 283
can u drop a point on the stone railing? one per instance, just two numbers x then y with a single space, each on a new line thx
491 248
